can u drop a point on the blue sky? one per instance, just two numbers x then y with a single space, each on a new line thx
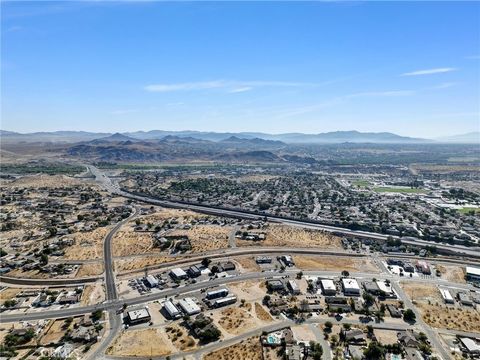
407 67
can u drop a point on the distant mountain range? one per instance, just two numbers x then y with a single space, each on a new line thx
259 138
468 138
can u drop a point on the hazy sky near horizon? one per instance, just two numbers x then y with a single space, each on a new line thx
406 67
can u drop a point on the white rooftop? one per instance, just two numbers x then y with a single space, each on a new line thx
350 284
178 272
138 314
189 306
328 284
472 270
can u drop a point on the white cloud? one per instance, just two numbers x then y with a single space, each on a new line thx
231 85
429 71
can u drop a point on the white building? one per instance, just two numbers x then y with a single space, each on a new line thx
386 288
178 274
447 297
215 294
152 281
328 287
189 306
350 287
470 345
293 286
473 273
171 309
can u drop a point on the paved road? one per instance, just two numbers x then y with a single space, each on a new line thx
114 319
114 188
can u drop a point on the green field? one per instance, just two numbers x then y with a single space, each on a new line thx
405 190
466 210
362 183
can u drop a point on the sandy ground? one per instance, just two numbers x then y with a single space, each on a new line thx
180 338
247 264
463 319
250 349
53 332
89 269
249 290
334 264
261 313
422 292
281 235
236 320
129 242
303 333
43 180
206 237
122 265
145 342
93 294
88 245
452 273
386 336
8 293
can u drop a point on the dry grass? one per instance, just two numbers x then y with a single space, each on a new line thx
180 338
123 265
129 242
281 235
89 269
206 237
146 342
88 245
421 292
386 336
249 290
249 349
43 180
452 273
442 316
236 321
53 332
261 313
334 263
93 294
248 264
8 293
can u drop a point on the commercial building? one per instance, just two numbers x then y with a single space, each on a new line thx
293 287
215 294
263 260
385 289
350 287
151 281
178 274
447 297
470 345
287 260
171 309
189 306
224 301
275 285
138 316
464 299
472 273
328 287
371 287
423 267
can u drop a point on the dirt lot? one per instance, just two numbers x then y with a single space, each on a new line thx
247 263
446 317
250 349
129 242
281 235
334 263
90 269
8 293
421 292
53 332
386 336
93 294
206 237
249 290
236 321
88 245
452 273
180 338
261 313
145 342
123 265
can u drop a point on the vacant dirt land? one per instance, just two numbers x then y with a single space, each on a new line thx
88 245
386 336
206 237
236 321
421 292
180 338
452 273
282 235
53 332
89 269
92 294
43 180
146 342
334 264
129 242
446 317
123 265
8 293
249 290
247 264
261 313
250 349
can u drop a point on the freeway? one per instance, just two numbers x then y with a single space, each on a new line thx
242 214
